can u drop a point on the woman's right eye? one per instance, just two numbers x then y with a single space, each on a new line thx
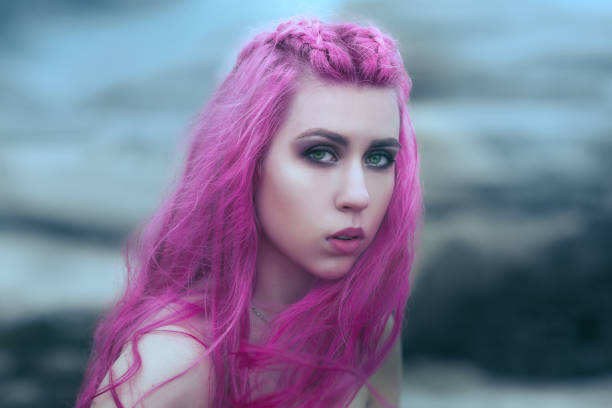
321 155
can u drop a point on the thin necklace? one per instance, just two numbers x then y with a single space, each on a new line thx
259 314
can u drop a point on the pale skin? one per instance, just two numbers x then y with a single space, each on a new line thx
329 167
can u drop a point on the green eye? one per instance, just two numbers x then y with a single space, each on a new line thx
321 156
375 158
379 160
318 155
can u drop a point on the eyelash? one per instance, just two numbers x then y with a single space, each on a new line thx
308 154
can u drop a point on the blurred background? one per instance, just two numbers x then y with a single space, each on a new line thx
512 100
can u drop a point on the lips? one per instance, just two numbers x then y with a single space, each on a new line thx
346 241
353 233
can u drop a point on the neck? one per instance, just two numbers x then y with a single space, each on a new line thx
279 282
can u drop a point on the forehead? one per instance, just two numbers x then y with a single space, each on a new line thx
358 112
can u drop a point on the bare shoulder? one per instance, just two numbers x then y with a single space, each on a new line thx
166 352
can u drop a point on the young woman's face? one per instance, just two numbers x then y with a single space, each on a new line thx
329 168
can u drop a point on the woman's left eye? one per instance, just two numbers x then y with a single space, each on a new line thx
379 160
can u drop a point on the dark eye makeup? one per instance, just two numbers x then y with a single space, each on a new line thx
326 155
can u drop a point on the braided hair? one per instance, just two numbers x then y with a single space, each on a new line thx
345 52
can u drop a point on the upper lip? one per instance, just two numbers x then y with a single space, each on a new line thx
349 232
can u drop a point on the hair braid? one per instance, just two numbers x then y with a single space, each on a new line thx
339 51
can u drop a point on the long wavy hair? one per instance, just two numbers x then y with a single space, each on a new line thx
198 251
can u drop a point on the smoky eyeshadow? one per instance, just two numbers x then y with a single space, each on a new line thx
305 143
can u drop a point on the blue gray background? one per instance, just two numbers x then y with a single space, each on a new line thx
512 103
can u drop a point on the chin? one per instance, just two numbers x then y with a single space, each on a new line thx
332 272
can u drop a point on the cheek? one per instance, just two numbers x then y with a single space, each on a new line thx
282 198
382 189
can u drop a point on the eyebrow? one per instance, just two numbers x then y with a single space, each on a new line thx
343 141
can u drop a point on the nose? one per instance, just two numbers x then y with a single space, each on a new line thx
353 193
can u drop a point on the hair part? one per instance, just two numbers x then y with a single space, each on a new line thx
198 251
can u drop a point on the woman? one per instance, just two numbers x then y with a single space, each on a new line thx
277 272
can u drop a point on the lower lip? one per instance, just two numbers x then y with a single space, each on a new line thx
345 246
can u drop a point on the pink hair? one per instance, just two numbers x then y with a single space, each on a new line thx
202 243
